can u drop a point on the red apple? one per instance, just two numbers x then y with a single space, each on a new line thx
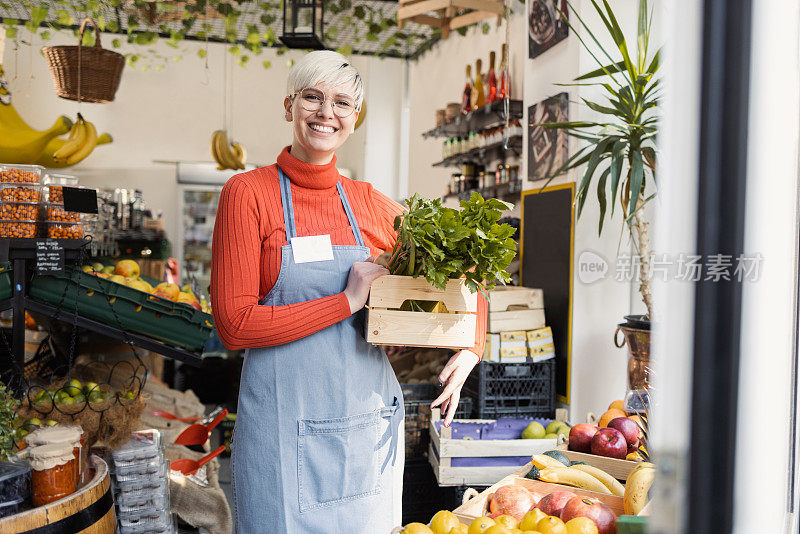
580 437
610 443
512 500
553 503
628 429
594 510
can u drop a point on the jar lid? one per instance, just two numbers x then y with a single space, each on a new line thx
70 435
49 456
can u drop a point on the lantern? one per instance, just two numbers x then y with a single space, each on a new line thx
302 23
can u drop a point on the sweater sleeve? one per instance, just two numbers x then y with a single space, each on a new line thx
388 209
235 277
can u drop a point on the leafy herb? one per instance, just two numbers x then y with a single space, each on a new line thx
8 406
441 243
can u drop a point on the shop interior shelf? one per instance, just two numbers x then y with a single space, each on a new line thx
484 118
485 154
510 189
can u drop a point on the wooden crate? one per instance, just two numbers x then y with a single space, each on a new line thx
443 449
387 325
452 14
477 506
515 308
619 469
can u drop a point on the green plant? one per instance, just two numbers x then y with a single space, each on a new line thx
441 243
8 406
625 138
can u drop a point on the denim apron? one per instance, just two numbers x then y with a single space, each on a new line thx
318 443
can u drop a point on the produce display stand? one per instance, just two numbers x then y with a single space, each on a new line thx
89 510
476 504
443 449
619 469
21 252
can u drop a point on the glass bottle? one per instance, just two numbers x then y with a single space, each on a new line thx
478 94
504 87
466 99
491 81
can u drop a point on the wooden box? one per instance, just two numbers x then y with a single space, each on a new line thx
515 308
619 469
388 325
443 449
477 506
472 11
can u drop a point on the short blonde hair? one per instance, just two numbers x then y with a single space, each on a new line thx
329 67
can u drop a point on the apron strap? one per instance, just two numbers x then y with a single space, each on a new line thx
288 209
350 216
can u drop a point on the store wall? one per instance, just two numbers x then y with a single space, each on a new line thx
170 115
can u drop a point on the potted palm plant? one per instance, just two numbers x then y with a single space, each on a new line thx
619 151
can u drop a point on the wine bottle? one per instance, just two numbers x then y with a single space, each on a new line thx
479 96
466 99
504 87
491 82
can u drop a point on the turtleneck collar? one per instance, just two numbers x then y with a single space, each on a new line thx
307 175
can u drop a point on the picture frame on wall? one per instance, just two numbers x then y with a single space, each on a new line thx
548 149
546 27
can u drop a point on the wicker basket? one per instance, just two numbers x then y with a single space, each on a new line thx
85 74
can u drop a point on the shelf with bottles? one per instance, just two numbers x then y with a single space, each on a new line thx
482 149
484 118
503 181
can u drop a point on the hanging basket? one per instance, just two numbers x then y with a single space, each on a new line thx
85 73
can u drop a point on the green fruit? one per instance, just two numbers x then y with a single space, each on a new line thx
533 474
62 396
50 422
68 400
578 463
534 430
129 395
21 433
41 396
33 421
86 268
88 387
97 266
108 269
96 396
558 455
552 427
551 436
79 398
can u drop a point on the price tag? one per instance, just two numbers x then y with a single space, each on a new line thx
312 248
49 257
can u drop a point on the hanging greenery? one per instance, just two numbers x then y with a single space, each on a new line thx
246 26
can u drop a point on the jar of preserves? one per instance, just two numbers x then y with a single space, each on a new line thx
74 436
54 472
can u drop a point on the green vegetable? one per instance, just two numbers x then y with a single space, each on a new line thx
533 474
8 406
441 243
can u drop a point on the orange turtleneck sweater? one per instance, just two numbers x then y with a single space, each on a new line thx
246 250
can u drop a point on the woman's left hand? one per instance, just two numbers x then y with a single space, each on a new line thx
453 376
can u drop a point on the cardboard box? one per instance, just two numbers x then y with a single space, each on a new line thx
540 333
491 352
514 351
514 335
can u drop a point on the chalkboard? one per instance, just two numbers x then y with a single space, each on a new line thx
546 249
49 257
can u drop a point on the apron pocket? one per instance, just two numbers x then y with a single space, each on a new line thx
337 459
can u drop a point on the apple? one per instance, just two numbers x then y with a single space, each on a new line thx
117 278
628 429
610 443
553 503
167 291
580 437
127 268
593 509
186 298
512 500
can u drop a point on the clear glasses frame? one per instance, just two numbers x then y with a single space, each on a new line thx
313 100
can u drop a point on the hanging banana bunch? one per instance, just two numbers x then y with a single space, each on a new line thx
227 154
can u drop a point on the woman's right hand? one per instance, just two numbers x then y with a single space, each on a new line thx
362 273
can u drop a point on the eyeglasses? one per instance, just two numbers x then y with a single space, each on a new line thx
313 100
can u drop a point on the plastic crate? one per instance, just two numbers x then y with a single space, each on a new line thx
5 281
417 423
422 495
173 323
512 389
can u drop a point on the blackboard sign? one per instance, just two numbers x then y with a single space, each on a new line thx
80 199
546 248
49 257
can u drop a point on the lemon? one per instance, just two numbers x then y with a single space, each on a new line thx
551 525
480 525
416 528
507 521
443 522
581 525
532 519
497 528
461 528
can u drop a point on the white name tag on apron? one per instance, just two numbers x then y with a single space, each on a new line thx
312 248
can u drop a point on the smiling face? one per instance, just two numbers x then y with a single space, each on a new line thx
318 134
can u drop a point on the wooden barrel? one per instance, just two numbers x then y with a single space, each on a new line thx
89 510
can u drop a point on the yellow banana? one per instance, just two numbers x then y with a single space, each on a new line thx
639 482
25 145
88 144
613 485
77 136
573 477
214 149
542 461
46 158
224 151
239 154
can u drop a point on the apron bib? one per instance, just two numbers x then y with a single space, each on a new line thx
318 442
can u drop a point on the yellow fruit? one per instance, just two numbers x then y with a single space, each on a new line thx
551 525
443 522
480 525
609 416
617 404
118 279
127 268
507 521
634 457
497 529
581 525
461 528
531 519
416 528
